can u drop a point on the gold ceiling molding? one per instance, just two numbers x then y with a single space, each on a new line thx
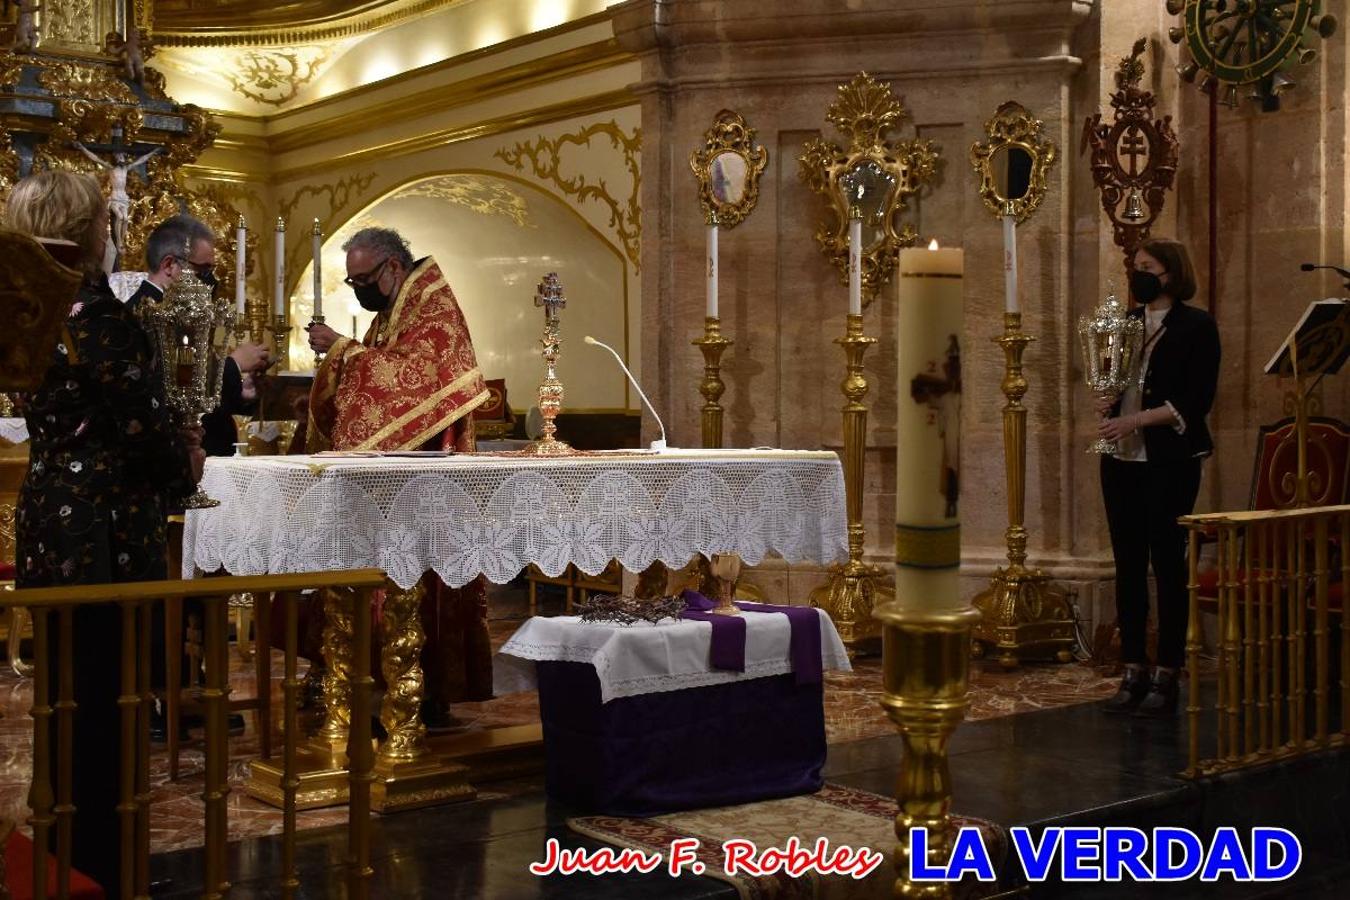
271 24
550 69
543 157
381 153
485 196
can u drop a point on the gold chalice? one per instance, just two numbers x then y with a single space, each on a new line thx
726 570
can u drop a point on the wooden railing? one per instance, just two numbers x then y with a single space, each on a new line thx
53 808
1276 570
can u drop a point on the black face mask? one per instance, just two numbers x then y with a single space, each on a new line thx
1145 286
371 297
206 276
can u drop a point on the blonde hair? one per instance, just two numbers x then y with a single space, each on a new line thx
59 204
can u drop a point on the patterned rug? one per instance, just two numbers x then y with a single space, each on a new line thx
843 815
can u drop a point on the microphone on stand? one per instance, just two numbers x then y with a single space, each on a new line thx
1310 267
655 445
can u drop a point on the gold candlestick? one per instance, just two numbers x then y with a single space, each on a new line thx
281 338
854 589
713 346
925 681
1024 615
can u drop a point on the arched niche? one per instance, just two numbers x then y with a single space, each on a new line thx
495 236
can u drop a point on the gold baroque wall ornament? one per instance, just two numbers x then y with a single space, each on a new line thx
85 83
874 173
543 157
275 77
1013 163
486 196
727 167
341 194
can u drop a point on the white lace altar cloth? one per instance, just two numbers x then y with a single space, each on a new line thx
460 516
647 659
14 430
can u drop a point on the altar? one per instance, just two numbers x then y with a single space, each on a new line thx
654 717
462 516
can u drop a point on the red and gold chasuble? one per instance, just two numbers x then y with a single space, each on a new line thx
410 381
414 379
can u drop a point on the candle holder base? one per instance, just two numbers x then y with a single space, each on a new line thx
322 772
1025 617
200 500
849 597
412 784
1103 447
547 447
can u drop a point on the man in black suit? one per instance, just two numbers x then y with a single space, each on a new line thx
164 260
164 251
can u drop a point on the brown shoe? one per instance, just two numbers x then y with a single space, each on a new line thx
1133 688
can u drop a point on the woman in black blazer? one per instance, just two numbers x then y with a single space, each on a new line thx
1154 476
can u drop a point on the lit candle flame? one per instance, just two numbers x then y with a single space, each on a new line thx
933 244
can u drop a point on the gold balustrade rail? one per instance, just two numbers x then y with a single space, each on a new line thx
1276 571
53 809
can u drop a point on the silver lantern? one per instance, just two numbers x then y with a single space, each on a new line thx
188 328
1111 342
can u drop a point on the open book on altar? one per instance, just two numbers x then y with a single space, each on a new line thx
1321 339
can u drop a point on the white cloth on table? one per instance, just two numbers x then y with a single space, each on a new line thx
671 655
14 430
465 515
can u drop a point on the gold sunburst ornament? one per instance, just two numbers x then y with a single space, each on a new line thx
874 174
1248 42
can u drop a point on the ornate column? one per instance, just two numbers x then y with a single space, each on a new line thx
407 774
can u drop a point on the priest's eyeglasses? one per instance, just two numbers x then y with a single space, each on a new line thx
366 278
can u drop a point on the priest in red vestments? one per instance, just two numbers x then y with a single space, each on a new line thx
411 384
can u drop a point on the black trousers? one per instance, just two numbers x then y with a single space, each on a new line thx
1143 502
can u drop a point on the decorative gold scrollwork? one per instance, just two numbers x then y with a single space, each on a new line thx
1013 163
875 174
727 167
543 157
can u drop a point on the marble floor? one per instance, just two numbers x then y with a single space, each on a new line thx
851 710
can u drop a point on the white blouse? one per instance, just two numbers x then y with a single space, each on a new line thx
1131 448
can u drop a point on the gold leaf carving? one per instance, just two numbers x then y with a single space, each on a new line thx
892 171
487 196
274 77
85 83
543 157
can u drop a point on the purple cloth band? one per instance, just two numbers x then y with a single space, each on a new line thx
728 632
728 635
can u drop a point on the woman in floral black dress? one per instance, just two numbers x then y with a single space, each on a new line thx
104 458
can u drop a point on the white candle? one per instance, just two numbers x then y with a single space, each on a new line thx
280 307
712 267
1010 265
240 243
318 275
855 262
928 429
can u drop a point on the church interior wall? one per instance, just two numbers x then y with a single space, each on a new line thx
333 139
1282 201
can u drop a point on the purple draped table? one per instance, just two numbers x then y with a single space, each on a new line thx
639 721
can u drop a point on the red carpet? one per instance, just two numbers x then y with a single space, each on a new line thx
19 873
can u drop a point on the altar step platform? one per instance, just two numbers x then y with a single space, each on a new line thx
1065 766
